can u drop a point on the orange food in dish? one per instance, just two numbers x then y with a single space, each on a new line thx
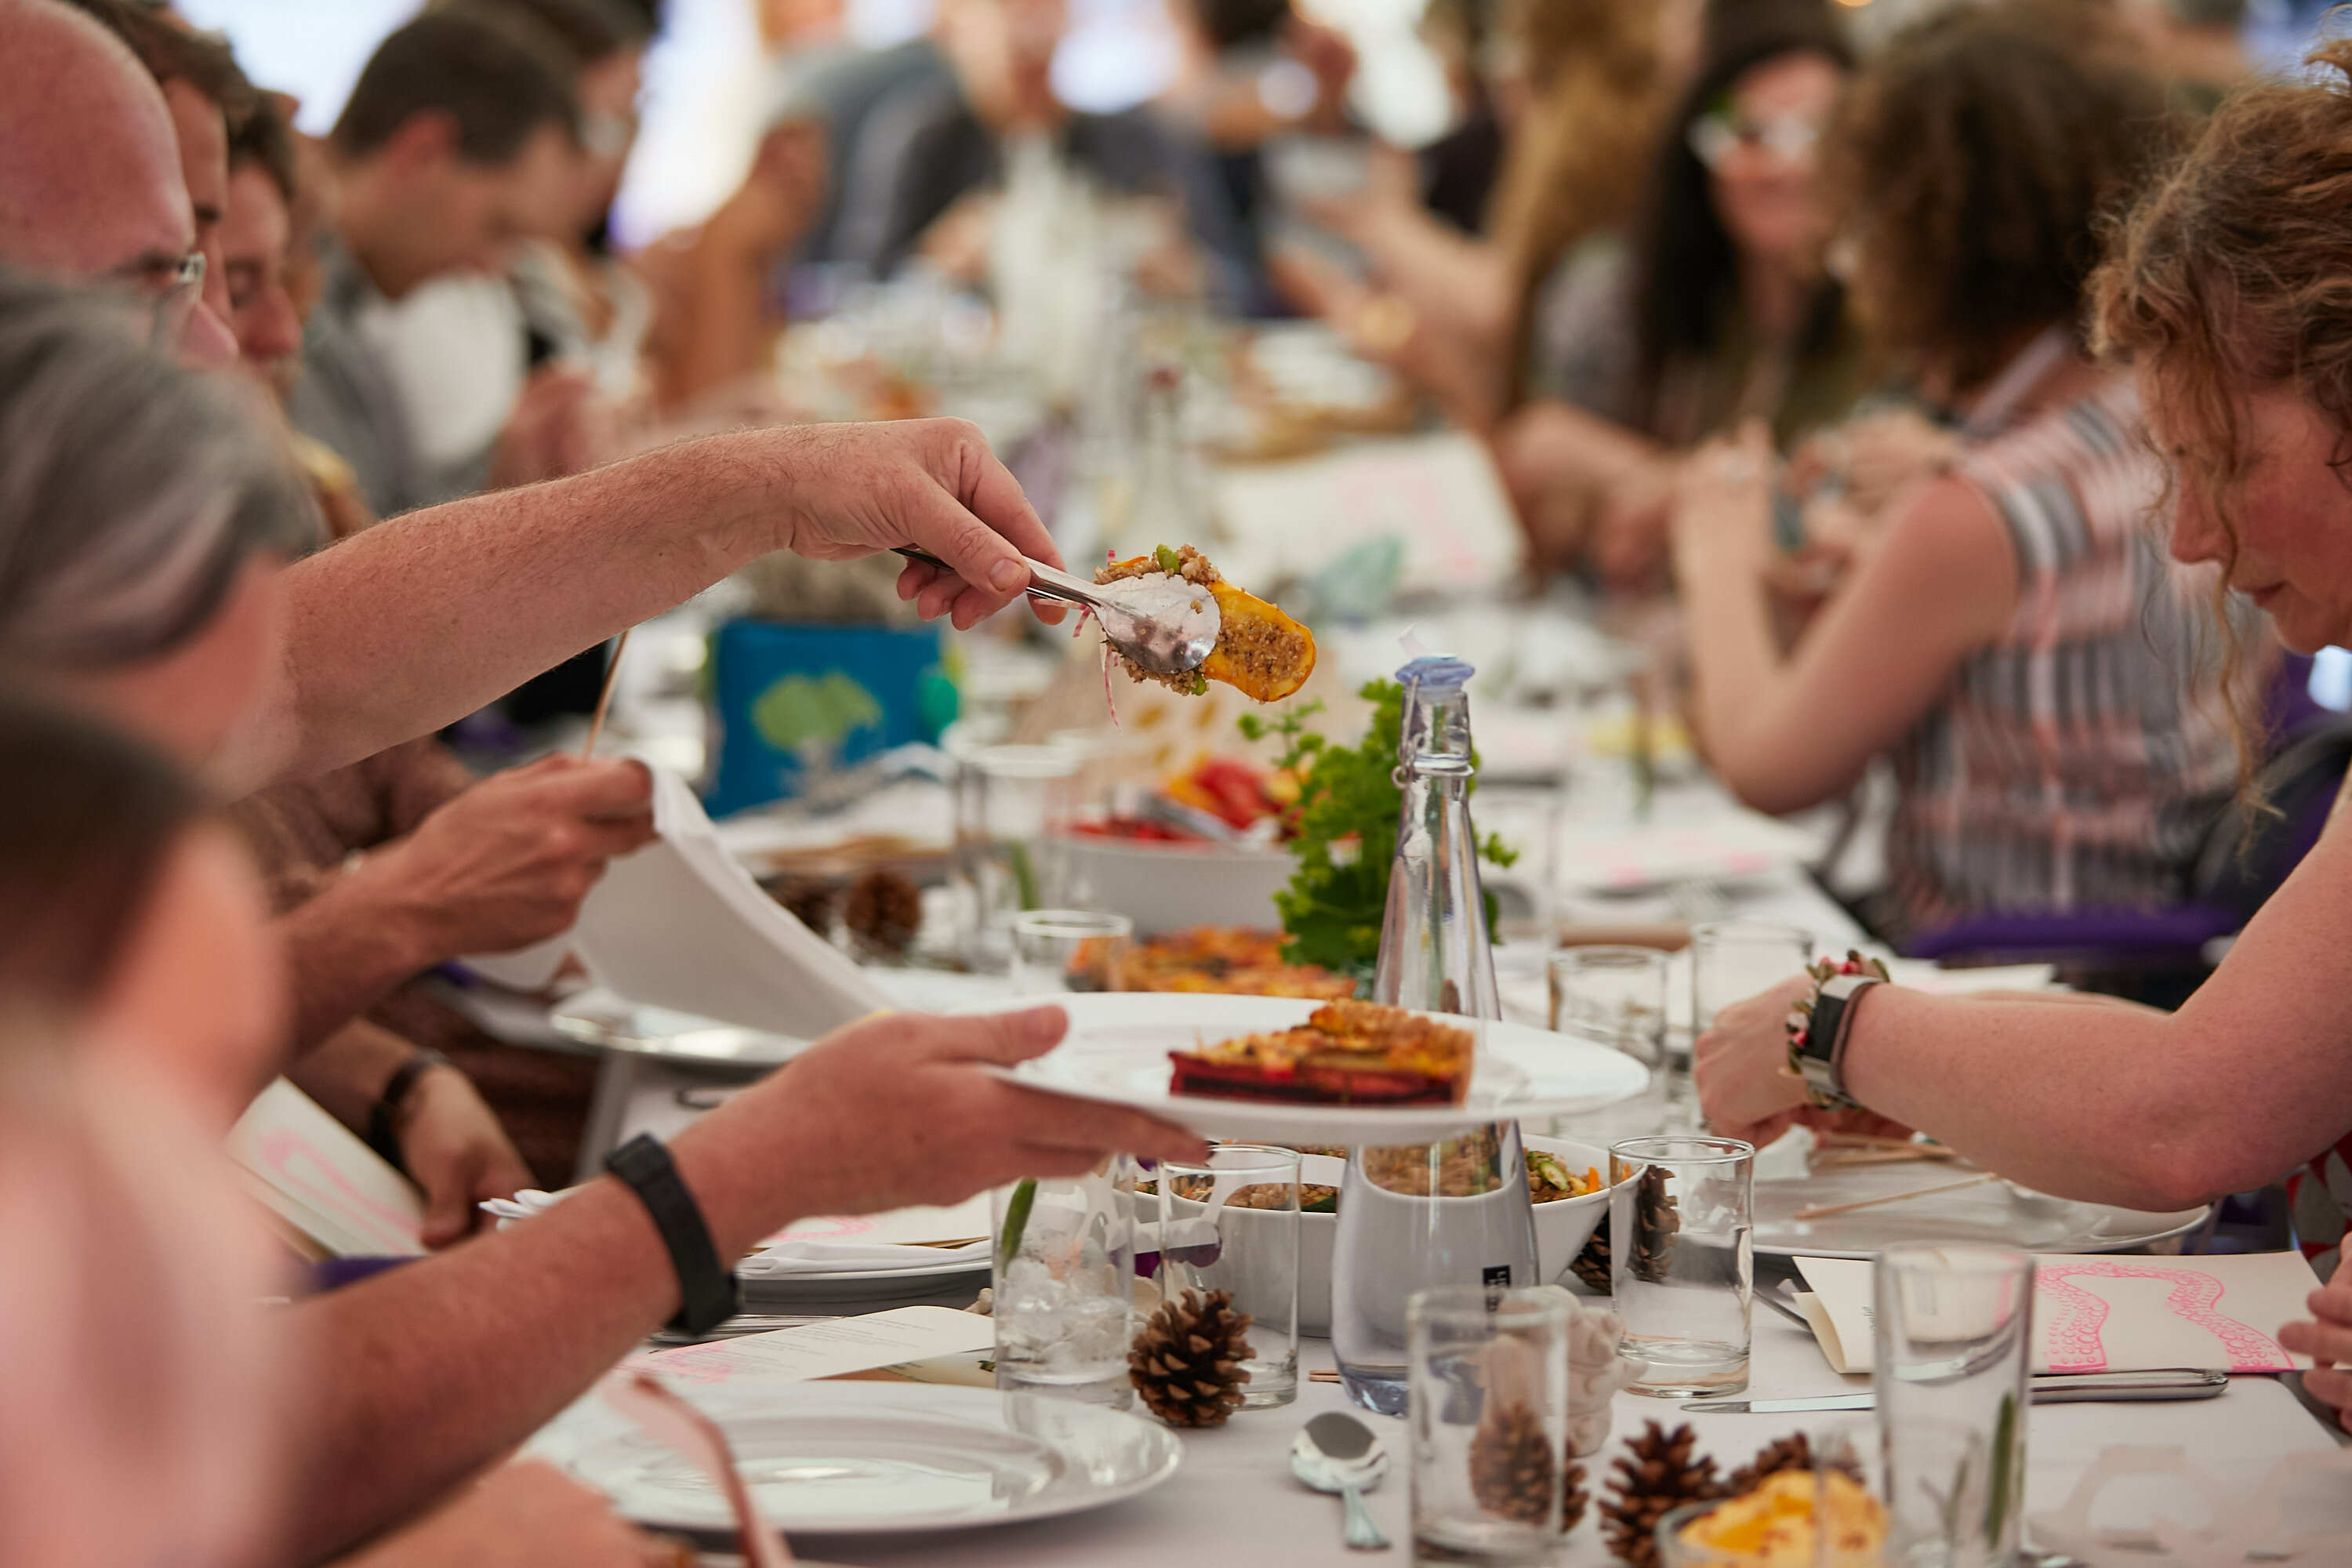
1227 960
1347 1053
1261 653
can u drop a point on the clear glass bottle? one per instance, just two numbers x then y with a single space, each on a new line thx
1454 1212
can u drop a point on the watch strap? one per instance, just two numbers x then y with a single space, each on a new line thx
706 1291
383 1116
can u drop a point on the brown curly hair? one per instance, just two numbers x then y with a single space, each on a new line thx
1971 167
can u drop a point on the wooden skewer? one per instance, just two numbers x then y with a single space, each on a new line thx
1878 1140
1837 1159
605 697
1823 1211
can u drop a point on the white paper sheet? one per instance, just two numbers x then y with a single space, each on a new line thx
318 1177
2103 1312
681 924
829 1349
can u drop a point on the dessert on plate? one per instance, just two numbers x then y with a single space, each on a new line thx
1346 1053
1261 652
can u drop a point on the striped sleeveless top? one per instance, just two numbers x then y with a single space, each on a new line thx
2077 762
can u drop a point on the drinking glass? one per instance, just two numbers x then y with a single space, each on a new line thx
1062 1282
1057 951
1952 1338
1233 1225
1615 996
1009 800
1730 961
1680 1266
1489 1414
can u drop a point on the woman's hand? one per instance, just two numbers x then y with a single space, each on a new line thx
1741 1067
2327 1341
1723 505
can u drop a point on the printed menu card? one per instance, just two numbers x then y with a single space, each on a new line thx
2107 1313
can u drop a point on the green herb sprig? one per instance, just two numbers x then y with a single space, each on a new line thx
1345 837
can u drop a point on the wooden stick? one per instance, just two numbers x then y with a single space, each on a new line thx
605 697
1875 1141
1836 1158
1823 1211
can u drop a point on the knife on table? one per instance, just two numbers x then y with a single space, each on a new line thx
2047 1388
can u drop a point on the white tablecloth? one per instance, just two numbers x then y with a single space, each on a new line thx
1234 1505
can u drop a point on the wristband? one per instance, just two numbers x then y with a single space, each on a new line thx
1818 1025
706 1293
383 1116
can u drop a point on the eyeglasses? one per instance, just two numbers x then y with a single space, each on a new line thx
1715 137
170 286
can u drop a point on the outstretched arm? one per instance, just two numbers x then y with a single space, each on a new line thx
422 619
2121 1105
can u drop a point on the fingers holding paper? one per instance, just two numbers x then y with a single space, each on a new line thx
903 1109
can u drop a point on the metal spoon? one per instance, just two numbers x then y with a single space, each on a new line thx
1166 624
1337 1453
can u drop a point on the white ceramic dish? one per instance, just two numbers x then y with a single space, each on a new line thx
1116 1050
1562 1228
1990 1212
870 1458
1170 886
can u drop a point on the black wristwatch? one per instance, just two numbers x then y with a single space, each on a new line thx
706 1291
383 1116
1818 1058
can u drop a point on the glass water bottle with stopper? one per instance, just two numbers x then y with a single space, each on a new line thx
1454 1212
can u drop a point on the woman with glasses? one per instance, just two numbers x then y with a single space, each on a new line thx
1716 311
2013 638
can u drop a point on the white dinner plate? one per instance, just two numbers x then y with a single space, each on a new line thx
1990 1212
1117 1047
869 1458
932 1282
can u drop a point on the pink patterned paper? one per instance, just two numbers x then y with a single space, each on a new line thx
2074 1319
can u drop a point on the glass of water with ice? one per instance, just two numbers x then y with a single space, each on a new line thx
1680 1264
1064 1284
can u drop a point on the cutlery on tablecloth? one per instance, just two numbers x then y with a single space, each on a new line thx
1337 1453
2049 1388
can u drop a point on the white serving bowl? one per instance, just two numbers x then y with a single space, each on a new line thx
1164 886
1562 1228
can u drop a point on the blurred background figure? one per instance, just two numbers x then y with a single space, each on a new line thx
1717 310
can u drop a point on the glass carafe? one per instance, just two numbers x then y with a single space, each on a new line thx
1454 1212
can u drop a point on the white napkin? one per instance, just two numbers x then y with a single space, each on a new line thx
795 1257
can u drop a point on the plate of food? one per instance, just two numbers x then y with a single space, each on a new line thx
1293 1069
862 1459
1973 1207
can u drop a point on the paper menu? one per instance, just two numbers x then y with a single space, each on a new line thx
829 1349
2107 1313
314 1174
681 924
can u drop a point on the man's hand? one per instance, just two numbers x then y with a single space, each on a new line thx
457 1151
900 1109
784 190
1740 1067
523 1516
506 864
854 491
2327 1341
560 424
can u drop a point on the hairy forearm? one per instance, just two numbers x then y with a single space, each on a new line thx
345 950
421 620
2108 1104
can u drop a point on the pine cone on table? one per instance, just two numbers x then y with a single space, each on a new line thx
1186 1361
1513 1469
883 911
808 900
1794 1452
1591 1265
1573 1498
1657 1474
1656 1218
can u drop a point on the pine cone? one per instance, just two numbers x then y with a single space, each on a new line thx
1573 1498
1794 1452
883 911
1656 1217
1512 1467
1187 1360
1591 1265
1656 1475
808 900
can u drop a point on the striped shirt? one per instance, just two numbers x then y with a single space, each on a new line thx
2078 762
